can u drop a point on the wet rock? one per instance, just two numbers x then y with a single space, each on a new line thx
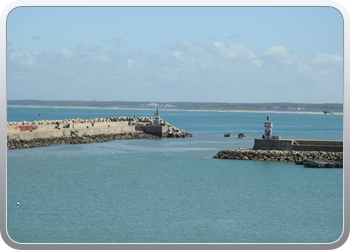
275 155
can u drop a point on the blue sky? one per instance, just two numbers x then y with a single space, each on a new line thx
205 54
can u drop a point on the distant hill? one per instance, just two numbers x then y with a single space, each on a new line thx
280 106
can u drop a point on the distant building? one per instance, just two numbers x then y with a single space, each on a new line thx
169 106
295 108
155 105
152 105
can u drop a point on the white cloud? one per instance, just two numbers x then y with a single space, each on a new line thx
100 57
326 58
130 62
136 53
189 47
67 53
116 42
277 52
182 58
237 51
177 55
303 67
257 63
22 58
213 68
84 48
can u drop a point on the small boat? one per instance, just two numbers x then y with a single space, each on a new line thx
338 163
241 135
227 135
321 163
309 163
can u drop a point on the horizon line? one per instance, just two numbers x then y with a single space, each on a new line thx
165 101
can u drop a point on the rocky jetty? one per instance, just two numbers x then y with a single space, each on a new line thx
275 155
173 132
76 138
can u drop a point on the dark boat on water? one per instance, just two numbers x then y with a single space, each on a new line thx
241 135
322 163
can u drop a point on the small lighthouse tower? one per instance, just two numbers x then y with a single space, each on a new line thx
268 128
157 118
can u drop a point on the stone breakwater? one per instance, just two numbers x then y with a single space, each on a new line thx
76 138
75 131
172 131
275 155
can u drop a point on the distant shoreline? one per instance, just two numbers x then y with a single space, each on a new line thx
191 110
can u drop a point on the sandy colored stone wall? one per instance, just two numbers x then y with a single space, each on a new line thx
47 132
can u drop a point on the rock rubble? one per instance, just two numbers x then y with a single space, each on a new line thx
76 138
66 121
275 155
143 121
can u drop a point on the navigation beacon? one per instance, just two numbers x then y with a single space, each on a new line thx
156 118
268 128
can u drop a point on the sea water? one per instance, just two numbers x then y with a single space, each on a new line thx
173 190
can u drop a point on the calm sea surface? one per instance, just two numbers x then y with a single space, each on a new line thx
172 190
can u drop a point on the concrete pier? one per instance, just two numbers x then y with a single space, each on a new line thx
298 145
161 131
286 150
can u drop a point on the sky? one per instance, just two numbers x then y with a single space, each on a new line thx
168 54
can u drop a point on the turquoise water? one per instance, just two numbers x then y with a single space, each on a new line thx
172 190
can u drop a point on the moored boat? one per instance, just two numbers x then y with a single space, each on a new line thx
321 163
241 135
309 163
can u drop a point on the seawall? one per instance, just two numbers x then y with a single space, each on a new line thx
76 139
298 145
72 131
